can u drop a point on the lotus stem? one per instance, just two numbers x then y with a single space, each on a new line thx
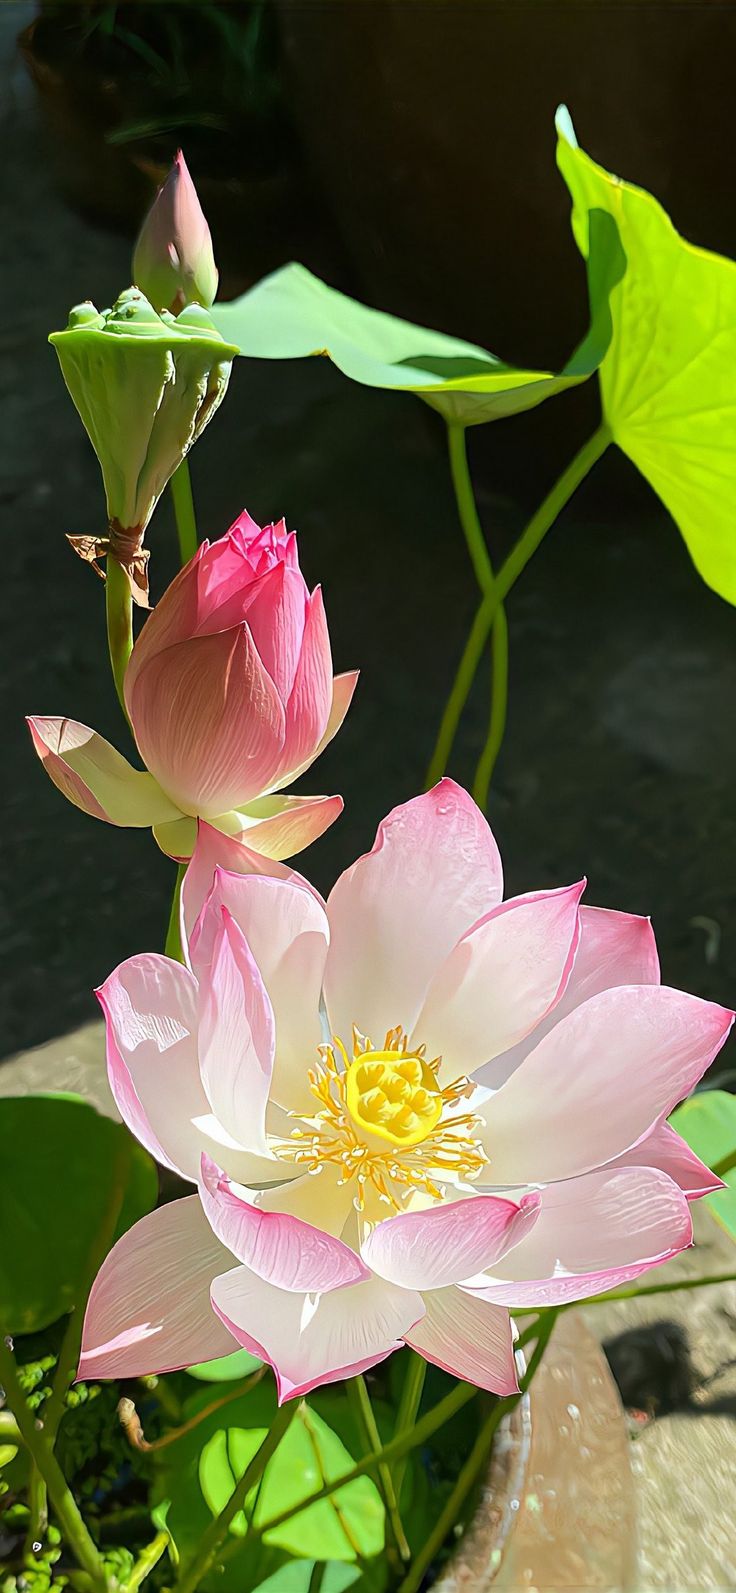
183 501
39 1448
536 529
119 615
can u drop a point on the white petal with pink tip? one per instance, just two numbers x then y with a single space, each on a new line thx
591 1234
467 1337
283 1250
599 1081
149 1309
613 949
500 979
287 932
396 914
236 1038
310 1339
150 1007
445 1244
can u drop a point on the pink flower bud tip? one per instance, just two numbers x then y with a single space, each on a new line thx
173 262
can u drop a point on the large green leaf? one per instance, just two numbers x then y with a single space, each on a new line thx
292 314
668 381
708 1122
349 1523
195 1476
296 1577
68 1173
226 1368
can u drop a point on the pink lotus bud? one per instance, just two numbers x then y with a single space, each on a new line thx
230 695
173 263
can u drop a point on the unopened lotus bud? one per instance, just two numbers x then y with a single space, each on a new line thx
173 263
145 386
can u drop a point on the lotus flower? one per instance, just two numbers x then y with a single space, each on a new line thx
173 261
230 696
359 1185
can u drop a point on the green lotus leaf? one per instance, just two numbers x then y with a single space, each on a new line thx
708 1122
292 314
67 1172
194 1477
668 381
226 1368
348 1524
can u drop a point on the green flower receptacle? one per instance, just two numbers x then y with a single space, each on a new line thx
145 385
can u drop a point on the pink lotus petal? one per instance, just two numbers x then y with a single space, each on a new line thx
149 1310
614 949
277 617
500 980
174 619
208 721
236 1038
396 914
281 1249
343 688
173 262
287 933
448 1243
213 849
96 778
665 1149
468 1338
150 1007
599 1081
592 1234
312 1339
310 701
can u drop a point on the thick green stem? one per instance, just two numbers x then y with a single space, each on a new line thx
38 1510
473 1466
69 1353
465 499
10 1432
411 1399
65 1506
361 1402
194 1573
119 616
147 1559
183 501
393 1450
486 579
499 705
186 529
509 573
725 1165
172 947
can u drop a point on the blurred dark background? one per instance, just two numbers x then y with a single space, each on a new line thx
405 151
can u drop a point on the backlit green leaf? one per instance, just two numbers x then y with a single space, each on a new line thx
708 1122
226 1368
195 1476
668 381
349 1523
292 314
67 1172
